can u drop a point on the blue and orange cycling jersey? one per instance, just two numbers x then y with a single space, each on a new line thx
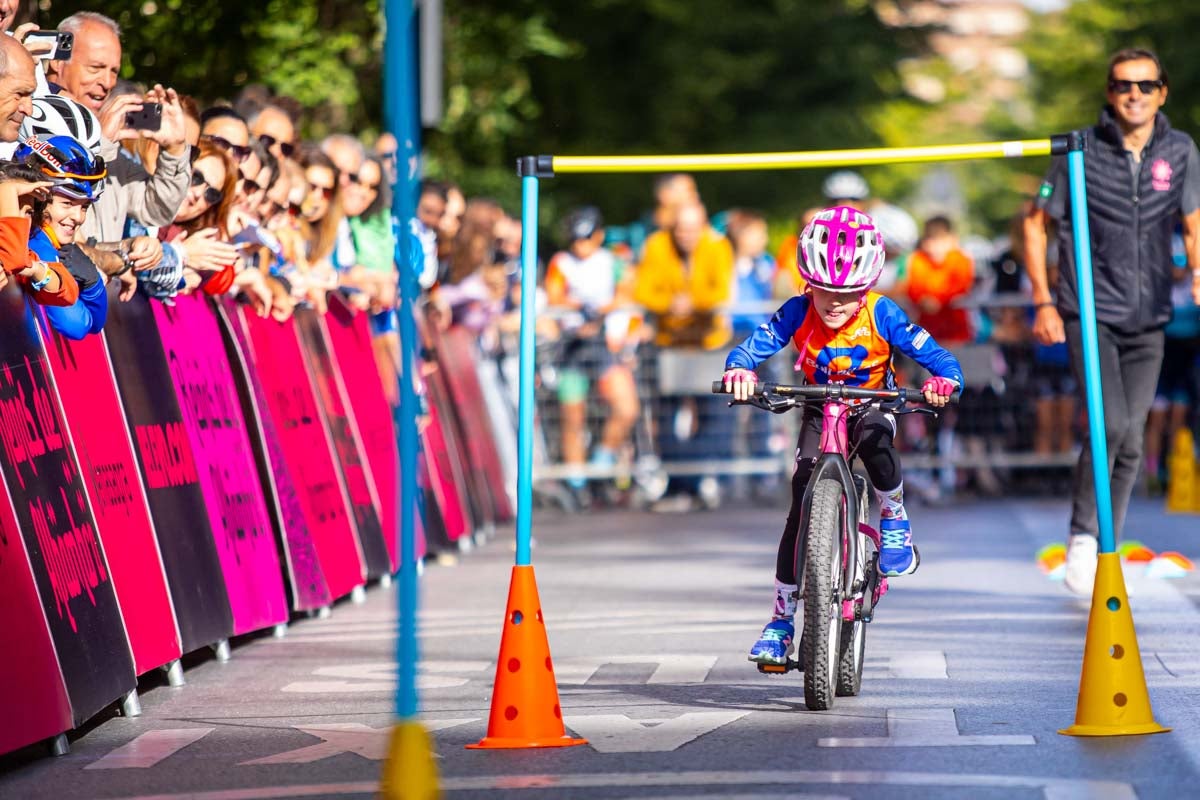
858 353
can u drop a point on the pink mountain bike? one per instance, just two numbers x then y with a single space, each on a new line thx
837 551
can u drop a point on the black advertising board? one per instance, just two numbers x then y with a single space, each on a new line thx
168 468
55 520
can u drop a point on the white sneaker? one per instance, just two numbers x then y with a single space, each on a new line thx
1081 564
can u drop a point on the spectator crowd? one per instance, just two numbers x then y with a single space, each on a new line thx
109 189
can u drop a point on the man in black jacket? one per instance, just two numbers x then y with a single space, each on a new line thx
1143 178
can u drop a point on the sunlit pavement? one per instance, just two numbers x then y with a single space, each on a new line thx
972 666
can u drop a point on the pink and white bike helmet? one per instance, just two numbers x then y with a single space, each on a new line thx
841 250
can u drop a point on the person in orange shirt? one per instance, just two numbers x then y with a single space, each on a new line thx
685 279
49 283
938 274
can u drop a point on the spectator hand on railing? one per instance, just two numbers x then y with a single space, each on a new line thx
204 252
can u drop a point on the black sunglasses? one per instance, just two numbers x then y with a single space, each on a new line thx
239 152
287 148
250 187
1125 87
212 195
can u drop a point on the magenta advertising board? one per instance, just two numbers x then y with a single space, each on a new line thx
225 465
292 404
309 587
92 409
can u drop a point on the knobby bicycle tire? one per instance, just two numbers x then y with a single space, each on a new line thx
822 609
852 644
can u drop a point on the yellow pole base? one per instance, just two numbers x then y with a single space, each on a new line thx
1113 700
410 772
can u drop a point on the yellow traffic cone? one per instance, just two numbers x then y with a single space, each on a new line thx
1113 700
410 772
1182 475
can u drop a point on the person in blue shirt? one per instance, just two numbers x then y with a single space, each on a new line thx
78 179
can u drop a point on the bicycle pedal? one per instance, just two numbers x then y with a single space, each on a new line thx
773 669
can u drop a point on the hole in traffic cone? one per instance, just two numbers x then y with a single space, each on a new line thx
1113 700
525 710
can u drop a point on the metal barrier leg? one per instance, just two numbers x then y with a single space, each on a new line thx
358 595
174 670
131 705
221 650
59 746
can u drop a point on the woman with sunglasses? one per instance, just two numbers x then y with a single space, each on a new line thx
199 235
321 217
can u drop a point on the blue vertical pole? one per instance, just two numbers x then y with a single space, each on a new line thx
399 107
1091 348
529 231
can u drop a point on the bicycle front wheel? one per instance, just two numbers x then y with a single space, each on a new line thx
822 593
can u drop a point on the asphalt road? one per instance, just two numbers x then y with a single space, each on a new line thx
972 666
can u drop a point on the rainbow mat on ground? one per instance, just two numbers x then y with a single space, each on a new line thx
1052 559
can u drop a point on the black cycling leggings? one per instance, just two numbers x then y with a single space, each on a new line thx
872 433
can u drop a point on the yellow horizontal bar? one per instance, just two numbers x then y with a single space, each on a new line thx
801 160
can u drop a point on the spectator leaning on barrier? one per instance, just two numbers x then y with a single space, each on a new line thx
1131 225
56 220
590 284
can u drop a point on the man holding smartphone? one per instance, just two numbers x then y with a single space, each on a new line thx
89 78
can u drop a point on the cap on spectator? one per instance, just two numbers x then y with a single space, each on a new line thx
55 115
846 185
583 222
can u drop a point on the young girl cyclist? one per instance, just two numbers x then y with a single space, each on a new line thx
846 334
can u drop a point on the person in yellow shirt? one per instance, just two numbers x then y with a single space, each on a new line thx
685 279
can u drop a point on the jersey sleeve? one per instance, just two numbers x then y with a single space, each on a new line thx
770 337
915 342
86 315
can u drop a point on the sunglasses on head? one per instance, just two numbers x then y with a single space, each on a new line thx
287 148
239 152
1125 87
212 195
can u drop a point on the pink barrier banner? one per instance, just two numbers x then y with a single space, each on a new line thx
309 587
32 693
350 336
228 476
83 375
293 408
49 503
347 444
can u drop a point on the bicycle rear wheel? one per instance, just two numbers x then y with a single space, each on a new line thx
822 567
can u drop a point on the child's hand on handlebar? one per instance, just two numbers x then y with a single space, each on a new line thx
740 382
938 391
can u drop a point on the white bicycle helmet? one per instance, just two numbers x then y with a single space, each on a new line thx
840 250
845 185
56 115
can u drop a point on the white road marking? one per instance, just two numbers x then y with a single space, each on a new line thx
1052 788
381 677
336 738
668 668
924 727
150 748
617 733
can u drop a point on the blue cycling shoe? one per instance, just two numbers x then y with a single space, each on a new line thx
775 644
897 556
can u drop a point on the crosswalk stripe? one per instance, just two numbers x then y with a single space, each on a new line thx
150 748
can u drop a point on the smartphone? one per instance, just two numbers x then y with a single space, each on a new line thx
63 43
148 119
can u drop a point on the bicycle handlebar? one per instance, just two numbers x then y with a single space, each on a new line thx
834 391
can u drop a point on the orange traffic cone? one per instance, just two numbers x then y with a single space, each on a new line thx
1113 700
525 710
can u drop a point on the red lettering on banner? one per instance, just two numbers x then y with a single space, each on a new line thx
166 455
23 441
73 559
113 489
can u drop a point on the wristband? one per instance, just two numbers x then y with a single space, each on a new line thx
37 286
1043 305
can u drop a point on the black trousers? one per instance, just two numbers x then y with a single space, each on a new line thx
872 437
1129 367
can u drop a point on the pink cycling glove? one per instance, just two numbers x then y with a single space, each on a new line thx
739 381
943 387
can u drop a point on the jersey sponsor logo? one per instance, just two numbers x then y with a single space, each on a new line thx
920 335
1160 175
842 365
